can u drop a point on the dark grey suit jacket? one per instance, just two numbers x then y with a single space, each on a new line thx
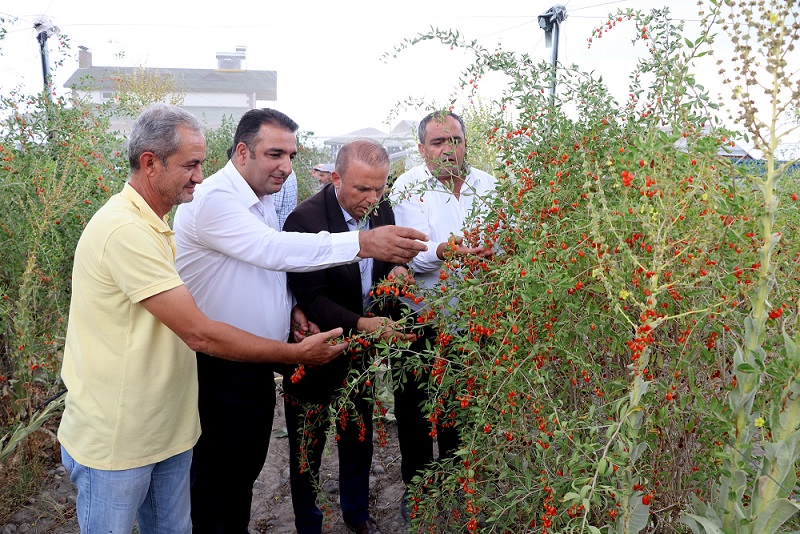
331 297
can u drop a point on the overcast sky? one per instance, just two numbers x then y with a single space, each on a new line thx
328 55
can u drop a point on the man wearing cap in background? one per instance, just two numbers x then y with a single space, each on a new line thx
322 173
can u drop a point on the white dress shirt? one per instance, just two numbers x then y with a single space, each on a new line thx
232 257
365 265
422 202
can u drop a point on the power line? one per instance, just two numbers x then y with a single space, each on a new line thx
598 5
533 19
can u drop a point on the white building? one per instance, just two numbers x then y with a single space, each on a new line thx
400 143
230 89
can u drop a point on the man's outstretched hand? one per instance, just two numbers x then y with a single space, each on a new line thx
385 328
301 326
393 244
319 348
454 247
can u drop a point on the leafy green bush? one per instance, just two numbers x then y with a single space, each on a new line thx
58 164
308 155
218 141
628 359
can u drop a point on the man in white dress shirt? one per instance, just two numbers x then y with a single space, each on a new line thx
435 198
232 257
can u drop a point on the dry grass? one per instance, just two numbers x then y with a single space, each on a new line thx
24 474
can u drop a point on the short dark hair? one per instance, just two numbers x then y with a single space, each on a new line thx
440 116
156 131
251 122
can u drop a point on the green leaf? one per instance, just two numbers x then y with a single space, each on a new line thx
637 452
747 368
791 348
775 514
570 496
708 526
637 517
691 523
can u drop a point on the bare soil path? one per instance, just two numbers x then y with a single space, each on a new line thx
52 511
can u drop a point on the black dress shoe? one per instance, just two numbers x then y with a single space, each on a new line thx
365 527
405 512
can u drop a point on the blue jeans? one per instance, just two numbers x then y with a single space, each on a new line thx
156 495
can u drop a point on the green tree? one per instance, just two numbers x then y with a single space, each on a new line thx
144 86
308 155
480 122
218 141
58 164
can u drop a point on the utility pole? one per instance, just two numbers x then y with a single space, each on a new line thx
550 21
44 30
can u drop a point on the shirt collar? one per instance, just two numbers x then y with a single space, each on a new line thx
243 190
148 215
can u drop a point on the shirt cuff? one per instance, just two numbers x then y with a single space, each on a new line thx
345 245
427 261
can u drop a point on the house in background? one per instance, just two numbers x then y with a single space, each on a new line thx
733 151
400 143
209 94
736 152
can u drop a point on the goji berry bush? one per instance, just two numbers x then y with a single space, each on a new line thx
57 166
627 360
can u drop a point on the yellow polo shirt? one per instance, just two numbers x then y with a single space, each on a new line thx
132 383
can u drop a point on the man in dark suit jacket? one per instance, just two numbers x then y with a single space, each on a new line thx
338 296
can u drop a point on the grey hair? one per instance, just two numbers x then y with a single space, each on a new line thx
156 131
367 151
439 116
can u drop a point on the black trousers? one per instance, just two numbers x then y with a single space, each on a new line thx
413 427
237 406
355 460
